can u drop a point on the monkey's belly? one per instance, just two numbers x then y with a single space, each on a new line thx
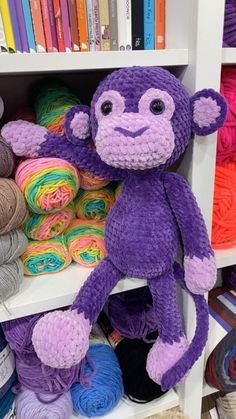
142 246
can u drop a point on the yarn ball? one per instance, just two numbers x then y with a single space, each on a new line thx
29 407
106 384
48 256
24 113
48 184
224 207
229 37
91 182
131 313
7 159
7 405
13 209
118 189
47 226
11 276
52 100
85 241
94 205
12 245
229 277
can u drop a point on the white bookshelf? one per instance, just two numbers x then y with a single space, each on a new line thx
194 53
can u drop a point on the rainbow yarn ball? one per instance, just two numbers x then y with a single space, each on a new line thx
91 182
118 190
42 257
85 240
94 205
48 184
47 226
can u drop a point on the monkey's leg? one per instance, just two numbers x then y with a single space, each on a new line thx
61 338
171 343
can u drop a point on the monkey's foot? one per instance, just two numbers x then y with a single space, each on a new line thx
163 356
61 338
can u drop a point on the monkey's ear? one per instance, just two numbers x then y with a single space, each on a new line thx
209 110
1 107
77 125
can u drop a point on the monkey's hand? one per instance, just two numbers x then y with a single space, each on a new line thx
77 124
200 274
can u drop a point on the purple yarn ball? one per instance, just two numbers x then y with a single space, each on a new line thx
229 39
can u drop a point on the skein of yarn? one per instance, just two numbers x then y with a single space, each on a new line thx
94 205
229 38
118 189
7 159
106 384
224 207
48 184
12 245
13 210
48 256
90 182
47 226
29 407
11 276
85 241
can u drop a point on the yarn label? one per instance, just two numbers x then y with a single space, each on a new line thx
7 365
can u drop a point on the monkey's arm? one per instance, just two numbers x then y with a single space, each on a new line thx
31 140
199 260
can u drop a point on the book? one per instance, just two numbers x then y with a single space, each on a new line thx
3 43
121 13
59 27
21 24
90 25
113 20
66 25
52 25
128 44
149 24
46 25
82 25
36 13
73 25
96 25
29 25
15 27
104 25
6 19
160 24
137 9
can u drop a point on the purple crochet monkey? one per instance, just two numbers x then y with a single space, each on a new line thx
141 120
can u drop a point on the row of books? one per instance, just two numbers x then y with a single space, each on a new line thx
81 25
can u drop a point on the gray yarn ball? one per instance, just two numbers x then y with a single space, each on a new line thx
11 276
12 245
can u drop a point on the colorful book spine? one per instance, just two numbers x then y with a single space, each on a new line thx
6 19
59 27
36 12
137 9
3 43
15 27
113 19
46 25
22 27
82 25
128 45
104 25
29 25
90 25
121 13
160 24
149 24
66 25
96 25
73 25
52 25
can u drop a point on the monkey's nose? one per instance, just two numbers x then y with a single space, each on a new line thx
131 134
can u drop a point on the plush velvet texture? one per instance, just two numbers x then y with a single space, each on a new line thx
155 212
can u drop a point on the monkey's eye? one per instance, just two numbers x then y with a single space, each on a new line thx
157 106
106 107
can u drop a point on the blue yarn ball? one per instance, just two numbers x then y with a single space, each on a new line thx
106 384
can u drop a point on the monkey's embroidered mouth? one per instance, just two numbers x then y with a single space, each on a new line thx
132 134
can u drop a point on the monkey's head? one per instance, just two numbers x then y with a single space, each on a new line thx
142 117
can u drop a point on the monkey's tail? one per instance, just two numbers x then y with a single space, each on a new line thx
180 369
